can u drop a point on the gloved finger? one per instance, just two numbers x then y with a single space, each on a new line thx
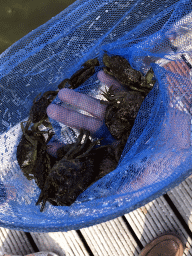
108 80
83 101
73 119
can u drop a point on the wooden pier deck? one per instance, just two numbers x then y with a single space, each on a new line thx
123 236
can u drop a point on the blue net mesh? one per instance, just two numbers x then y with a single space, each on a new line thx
157 155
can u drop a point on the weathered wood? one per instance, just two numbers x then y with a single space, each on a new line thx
62 243
181 196
155 219
111 238
14 242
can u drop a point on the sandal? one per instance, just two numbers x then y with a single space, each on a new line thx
165 245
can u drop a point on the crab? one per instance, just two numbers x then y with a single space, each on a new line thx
121 111
38 109
72 174
123 106
81 75
32 155
131 79
106 160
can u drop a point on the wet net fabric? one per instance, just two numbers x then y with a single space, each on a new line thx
157 155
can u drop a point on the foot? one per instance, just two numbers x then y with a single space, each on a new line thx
165 245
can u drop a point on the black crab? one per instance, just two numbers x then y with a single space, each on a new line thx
131 79
32 154
71 174
81 75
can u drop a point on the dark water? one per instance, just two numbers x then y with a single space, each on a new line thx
19 17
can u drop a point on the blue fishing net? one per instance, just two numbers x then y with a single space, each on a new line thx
157 155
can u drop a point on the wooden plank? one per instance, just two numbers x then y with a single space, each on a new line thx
110 238
154 219
62 243
181 196
14 242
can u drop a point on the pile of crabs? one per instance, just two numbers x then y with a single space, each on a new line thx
78 165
